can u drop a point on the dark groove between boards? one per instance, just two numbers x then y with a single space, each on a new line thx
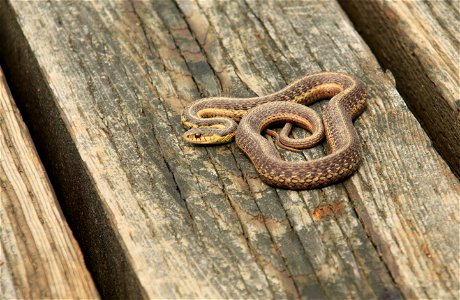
80 203
404 88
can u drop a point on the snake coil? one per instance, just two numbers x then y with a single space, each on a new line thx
214 121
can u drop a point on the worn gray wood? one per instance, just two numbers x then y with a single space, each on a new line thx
419 42
39 257
106 82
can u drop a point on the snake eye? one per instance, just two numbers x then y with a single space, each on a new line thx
197 135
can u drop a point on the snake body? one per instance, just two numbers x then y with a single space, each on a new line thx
214 121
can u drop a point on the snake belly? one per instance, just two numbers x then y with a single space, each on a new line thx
213 120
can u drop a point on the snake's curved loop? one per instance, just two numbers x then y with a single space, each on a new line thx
213 121
283 140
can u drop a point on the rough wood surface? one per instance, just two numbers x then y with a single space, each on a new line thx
419 41
104 83
39 257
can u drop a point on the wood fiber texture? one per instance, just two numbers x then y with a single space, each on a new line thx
419 41
39 257
157 217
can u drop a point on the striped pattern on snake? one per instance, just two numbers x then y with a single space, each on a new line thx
213 121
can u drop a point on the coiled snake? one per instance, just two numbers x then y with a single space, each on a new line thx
214 121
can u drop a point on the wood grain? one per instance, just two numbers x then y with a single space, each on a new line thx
162 218
419 42
39 257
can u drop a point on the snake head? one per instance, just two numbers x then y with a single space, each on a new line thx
208 136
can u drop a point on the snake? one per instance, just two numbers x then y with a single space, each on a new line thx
215 120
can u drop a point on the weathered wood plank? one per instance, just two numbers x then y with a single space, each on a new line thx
419 42
161 218
39 258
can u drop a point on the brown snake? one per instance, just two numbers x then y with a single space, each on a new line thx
213 121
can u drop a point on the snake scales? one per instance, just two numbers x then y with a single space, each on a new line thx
214 121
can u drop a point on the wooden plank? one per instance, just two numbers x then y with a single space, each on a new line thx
39 258
108 81
419 42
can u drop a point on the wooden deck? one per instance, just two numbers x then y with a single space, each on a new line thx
101 85
39 257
